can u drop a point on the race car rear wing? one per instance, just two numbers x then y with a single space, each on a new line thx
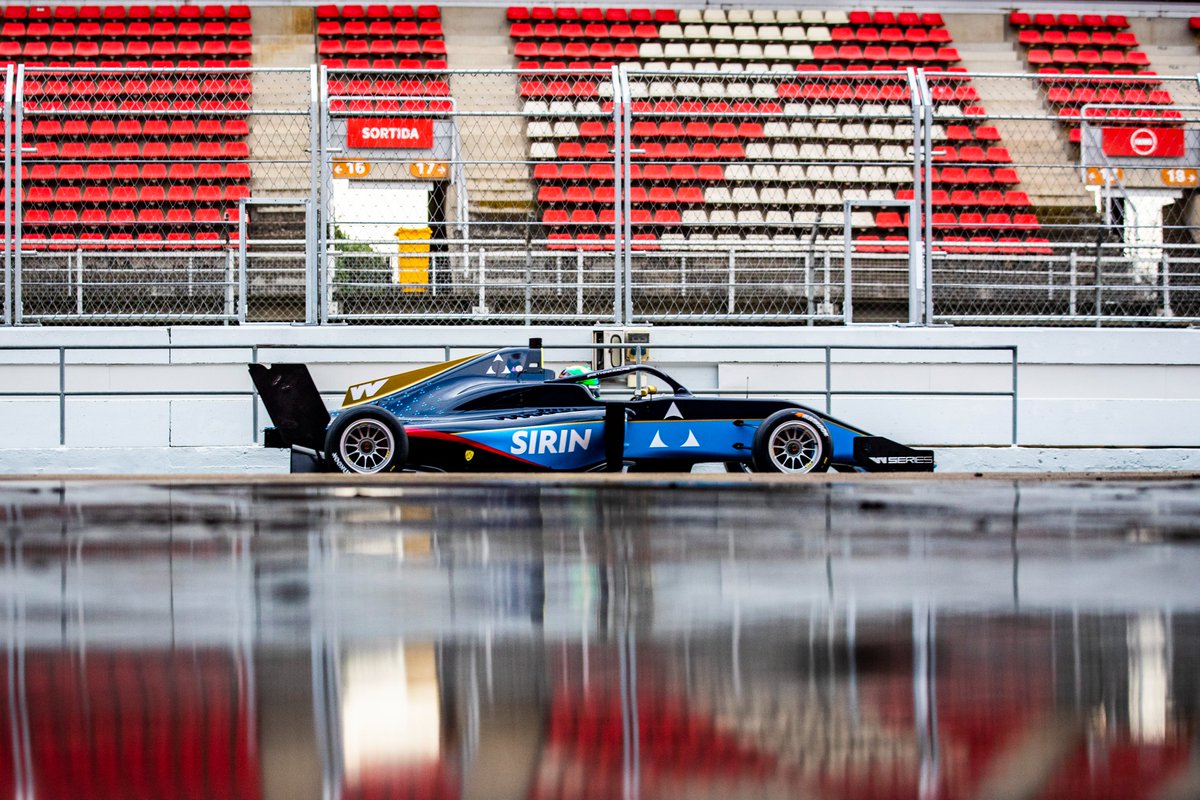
293 403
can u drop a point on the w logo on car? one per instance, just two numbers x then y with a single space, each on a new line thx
366 389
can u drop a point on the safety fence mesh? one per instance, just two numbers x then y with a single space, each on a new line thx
687 192
129 190
1089 236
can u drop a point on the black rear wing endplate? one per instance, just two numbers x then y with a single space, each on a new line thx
293 403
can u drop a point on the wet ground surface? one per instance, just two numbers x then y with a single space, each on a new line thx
601 639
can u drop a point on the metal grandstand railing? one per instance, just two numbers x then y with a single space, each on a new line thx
626 195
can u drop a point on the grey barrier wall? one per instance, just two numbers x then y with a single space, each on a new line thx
660 192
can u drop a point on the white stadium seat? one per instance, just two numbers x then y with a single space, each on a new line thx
737 172
745 194
799 196
771 196
539 130
765 172
791 173
718 195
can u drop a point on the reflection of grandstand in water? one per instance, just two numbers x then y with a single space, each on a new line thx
857 643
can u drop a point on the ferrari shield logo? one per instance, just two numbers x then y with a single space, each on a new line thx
469 455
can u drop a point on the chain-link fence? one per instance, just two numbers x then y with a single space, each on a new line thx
443 200
673 191
130 194
1041 216
750 193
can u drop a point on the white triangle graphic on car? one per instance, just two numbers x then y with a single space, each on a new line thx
673 412
691 441
491 371
657 441
498 357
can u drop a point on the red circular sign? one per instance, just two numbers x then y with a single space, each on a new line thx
1143 141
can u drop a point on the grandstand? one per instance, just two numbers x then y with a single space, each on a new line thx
656 164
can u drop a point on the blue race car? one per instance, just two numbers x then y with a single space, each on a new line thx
503 411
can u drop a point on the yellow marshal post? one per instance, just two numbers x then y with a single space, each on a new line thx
412 271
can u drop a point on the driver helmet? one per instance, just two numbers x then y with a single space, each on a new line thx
579 369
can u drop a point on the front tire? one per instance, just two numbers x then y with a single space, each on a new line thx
369 441
793 442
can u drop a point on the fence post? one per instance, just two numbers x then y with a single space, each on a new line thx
916 262
16 243
6 121
618 194
243 278
625 212
324 193
312 217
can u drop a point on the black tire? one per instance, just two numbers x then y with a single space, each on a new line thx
792 441
366 441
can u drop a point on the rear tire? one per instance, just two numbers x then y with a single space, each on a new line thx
793 442
368 441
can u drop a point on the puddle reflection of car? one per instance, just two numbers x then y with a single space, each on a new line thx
505 411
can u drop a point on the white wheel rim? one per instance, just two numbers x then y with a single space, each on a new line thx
367 445
794 446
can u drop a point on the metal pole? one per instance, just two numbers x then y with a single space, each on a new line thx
916 271
6 121
627 199
847 305
324 199
312 217
16 243
927 197
243 280
618 194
